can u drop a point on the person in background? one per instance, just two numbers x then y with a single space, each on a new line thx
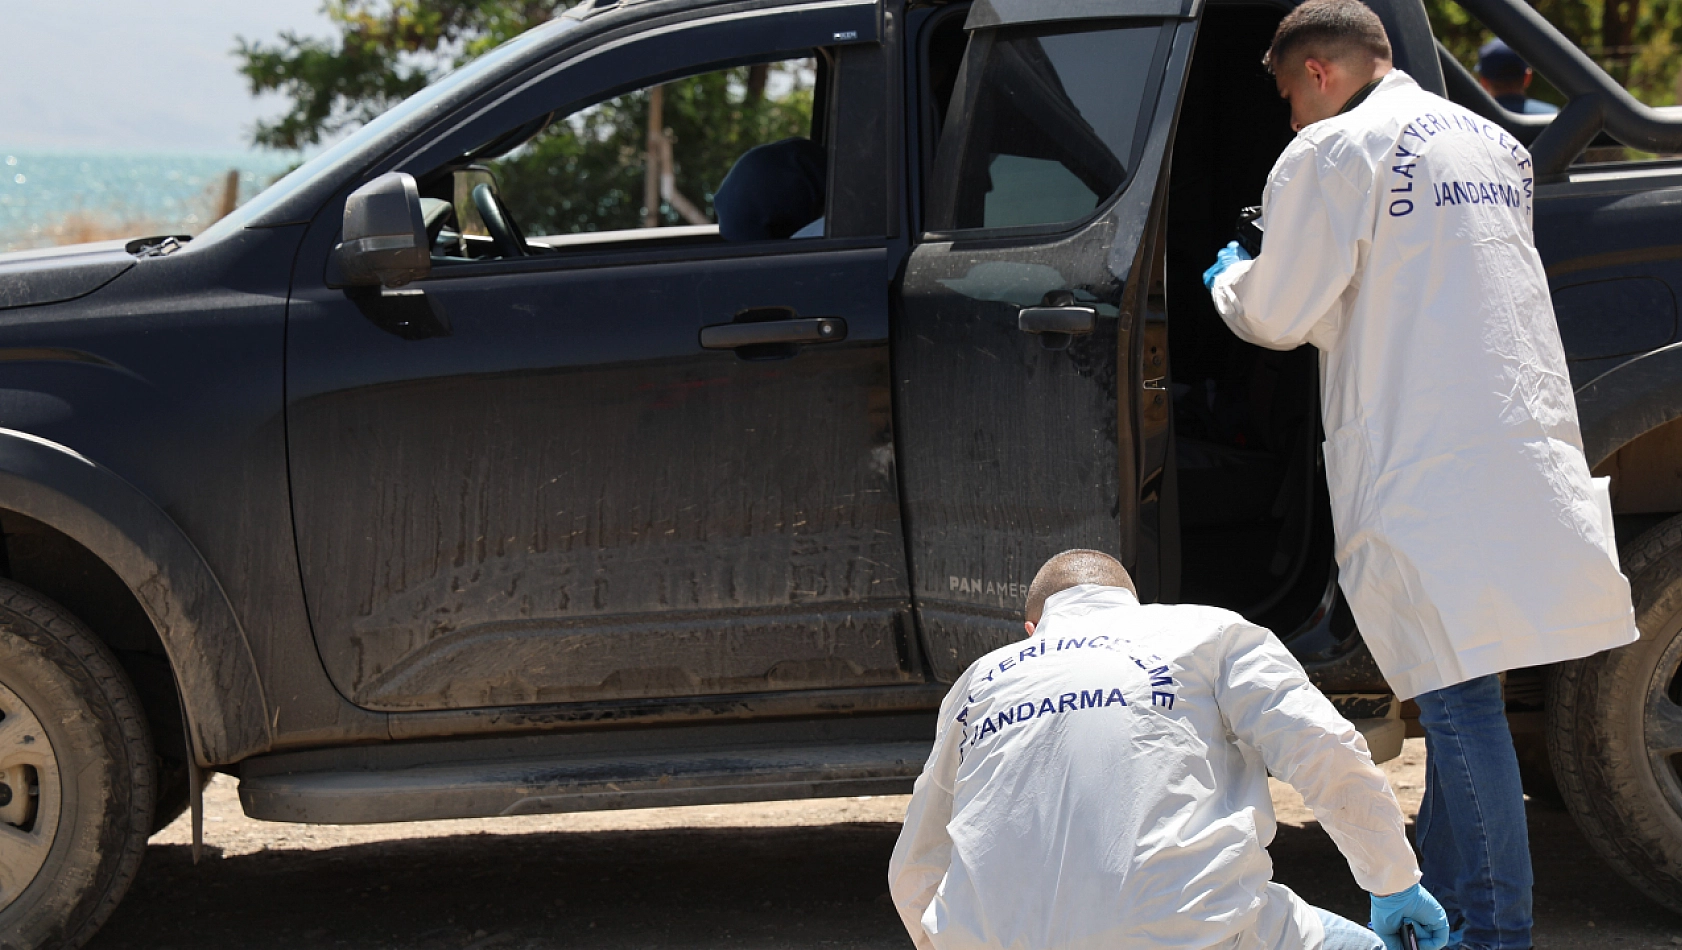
1506 77
1102 785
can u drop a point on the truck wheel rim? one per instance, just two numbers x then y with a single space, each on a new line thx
1663 722
29 796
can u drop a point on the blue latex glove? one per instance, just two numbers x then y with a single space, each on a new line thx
1416 906
1228 256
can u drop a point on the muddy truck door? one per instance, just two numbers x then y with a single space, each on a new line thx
627 464
1029 420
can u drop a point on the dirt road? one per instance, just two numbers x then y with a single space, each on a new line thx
774 876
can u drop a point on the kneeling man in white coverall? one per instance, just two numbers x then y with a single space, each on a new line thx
1103 784
1470 538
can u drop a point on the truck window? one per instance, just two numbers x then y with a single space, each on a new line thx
1048 128
649 164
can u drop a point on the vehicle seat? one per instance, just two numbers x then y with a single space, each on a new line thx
772 191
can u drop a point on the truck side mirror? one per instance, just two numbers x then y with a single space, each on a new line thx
385 239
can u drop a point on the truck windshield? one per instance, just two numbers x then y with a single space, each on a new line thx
487 63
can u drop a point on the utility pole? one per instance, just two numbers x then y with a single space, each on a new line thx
659 182
654 157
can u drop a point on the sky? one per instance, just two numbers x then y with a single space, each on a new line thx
149 75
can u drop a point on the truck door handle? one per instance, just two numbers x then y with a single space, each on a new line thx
1070 320
1056 325
731 336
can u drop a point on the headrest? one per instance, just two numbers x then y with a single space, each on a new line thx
772 191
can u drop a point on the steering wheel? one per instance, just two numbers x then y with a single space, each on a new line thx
509 241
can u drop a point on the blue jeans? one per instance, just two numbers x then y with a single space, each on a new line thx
1345 934
1474 847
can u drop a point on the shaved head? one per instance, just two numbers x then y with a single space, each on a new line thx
1327 30
1072 569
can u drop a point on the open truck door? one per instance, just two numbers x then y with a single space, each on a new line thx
1030 354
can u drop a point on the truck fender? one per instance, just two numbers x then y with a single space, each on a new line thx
1630 400
215 671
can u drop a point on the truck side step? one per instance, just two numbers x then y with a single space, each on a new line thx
482 790
455 782
426 781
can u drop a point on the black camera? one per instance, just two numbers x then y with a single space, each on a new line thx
1248 233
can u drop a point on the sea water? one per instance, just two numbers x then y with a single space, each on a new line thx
51 197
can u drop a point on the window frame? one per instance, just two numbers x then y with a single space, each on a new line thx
618 66
942 183
821 132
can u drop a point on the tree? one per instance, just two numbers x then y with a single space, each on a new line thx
585 172
386 51
1633 40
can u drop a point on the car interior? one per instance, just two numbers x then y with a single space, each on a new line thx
1255 525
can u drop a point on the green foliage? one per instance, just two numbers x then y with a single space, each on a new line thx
586 173
386 51
1633 40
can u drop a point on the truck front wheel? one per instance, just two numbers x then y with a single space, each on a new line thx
76 776
1615 729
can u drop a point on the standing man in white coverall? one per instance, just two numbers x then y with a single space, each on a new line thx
1103 785
1470 537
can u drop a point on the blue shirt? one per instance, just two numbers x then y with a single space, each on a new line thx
1525 105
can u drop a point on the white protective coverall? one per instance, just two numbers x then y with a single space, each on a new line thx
1470 537
1103 784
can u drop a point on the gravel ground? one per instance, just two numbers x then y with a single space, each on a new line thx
778 875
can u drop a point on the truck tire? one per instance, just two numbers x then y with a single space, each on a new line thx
1615 729
77 770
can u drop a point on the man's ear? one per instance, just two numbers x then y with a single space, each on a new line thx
1029 625
1319 71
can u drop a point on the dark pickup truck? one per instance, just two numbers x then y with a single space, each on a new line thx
395 509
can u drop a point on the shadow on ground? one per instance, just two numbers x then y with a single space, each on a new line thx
781 887
1581 904
710 887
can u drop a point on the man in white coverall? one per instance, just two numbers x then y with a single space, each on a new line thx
1103 784
1470 537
